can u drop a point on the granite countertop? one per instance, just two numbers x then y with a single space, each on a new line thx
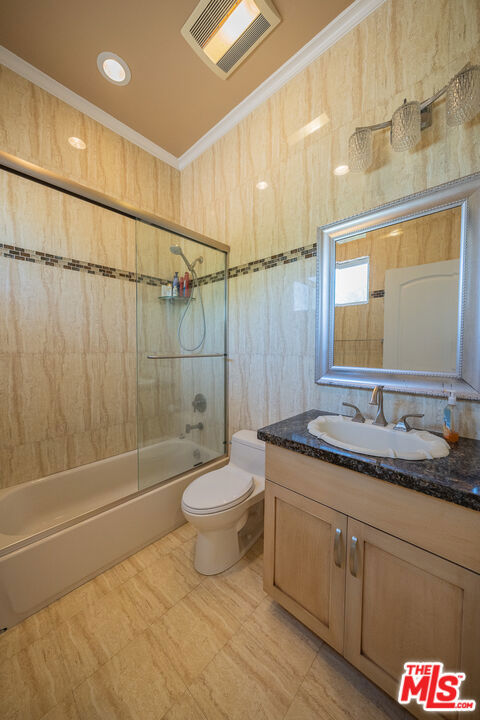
455 478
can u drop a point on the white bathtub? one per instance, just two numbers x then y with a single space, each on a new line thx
164 460
61 530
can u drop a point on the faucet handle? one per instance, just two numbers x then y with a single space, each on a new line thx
358 417
403 425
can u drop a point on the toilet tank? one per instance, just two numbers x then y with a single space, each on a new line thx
248 452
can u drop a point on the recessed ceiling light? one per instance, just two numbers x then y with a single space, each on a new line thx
77 143
113 68
262 185
341 170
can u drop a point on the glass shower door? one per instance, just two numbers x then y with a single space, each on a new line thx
181 363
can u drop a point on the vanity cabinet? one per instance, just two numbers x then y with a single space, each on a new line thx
403 604
305 567
353 570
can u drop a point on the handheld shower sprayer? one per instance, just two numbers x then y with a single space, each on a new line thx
177 250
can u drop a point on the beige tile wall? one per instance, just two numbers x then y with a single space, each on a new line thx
407 48
67 339
35 126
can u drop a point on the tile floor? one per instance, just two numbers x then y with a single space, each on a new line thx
151 638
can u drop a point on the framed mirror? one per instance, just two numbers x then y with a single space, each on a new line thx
398 295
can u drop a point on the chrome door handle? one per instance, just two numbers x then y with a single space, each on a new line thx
337 547
354 556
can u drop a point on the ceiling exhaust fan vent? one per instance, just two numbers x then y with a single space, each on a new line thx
233 56
224 32
210 19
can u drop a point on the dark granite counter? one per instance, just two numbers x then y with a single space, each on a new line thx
455 478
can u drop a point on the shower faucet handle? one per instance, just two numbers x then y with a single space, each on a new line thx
199 403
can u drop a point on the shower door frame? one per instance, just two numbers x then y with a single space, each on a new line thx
56 181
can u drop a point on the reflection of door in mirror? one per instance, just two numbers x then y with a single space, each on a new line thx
396 295
421 303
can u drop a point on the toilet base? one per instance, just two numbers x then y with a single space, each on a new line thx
218 549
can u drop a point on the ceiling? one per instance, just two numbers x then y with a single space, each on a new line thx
173 98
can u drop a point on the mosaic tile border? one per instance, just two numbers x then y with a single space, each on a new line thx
289 256
14 252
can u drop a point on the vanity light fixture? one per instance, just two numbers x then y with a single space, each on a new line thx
463 103
223 33
341 170
360 149
113 68
77 143
262 185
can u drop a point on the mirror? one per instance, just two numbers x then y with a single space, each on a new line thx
397 288
397 295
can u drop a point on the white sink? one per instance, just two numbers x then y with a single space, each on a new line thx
369 439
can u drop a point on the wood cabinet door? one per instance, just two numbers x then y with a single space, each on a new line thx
304 560
406 604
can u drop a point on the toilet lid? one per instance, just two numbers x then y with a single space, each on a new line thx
218 490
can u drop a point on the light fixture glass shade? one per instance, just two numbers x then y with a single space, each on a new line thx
406 126
360 150
463 95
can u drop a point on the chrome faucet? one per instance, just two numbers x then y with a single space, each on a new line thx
377 399
189 428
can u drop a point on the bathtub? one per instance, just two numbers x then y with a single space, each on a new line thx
161 461
61 530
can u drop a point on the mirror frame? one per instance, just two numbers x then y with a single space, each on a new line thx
465 382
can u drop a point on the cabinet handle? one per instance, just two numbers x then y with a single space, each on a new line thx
354 556
337 547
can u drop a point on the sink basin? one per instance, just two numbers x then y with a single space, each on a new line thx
369 439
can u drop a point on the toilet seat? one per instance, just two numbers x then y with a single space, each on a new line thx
218 490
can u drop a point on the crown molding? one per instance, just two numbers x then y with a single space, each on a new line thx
340 26
37 77
352 16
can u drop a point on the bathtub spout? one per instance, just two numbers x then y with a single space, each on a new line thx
189 428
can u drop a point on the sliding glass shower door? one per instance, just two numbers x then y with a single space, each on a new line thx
181 347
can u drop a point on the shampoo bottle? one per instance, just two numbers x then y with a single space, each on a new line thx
175 285
186 285
449 432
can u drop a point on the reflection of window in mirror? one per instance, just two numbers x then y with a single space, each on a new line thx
351 281
409 317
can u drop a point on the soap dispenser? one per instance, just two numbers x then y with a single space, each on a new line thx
449 419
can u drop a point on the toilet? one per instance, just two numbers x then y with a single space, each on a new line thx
226 505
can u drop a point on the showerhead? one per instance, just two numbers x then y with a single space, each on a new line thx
177 250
